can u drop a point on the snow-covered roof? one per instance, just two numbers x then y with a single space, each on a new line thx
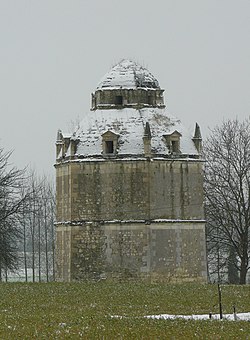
130 124
128 74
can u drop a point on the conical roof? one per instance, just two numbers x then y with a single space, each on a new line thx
128 74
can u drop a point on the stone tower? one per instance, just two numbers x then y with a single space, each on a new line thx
130 187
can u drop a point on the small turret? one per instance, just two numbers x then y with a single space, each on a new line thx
59 143
147 140
197 138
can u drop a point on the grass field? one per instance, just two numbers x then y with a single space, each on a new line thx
85 310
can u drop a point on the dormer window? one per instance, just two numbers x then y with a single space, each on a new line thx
109 143
173 142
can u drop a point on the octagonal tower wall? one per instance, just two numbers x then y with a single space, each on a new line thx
130 190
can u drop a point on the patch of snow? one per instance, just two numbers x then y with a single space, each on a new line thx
229 317
128 74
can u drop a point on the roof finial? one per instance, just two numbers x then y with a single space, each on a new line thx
197 138
59 135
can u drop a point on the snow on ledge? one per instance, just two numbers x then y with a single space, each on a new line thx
83 222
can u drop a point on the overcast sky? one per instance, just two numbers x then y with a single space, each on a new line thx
54 52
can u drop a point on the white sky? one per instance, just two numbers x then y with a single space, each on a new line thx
54 52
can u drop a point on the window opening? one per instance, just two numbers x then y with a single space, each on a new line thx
118 100
175 146
109 146
150 100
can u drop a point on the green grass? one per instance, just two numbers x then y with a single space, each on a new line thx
84 310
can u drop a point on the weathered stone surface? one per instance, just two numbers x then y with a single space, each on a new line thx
136 189
130 215
167 251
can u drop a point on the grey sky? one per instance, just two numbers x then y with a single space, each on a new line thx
54 52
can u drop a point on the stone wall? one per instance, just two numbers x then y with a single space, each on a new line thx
155 252
63 253
106 99
130 190
131 219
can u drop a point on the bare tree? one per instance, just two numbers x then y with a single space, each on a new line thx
46 229
37 224
12 200
27 210
227 190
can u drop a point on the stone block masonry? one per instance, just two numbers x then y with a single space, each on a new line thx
160 251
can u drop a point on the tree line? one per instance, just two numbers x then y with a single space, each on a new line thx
27 213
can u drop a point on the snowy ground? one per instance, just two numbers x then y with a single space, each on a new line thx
230 317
